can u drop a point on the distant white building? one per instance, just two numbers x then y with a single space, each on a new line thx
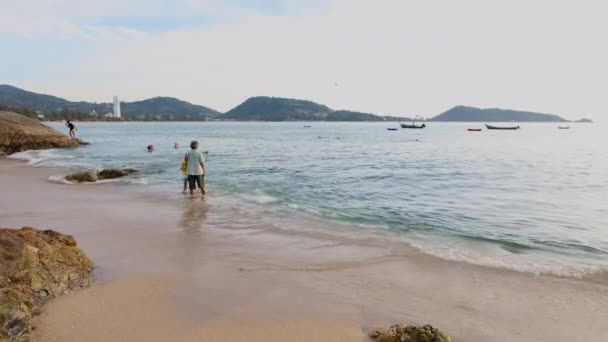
116 108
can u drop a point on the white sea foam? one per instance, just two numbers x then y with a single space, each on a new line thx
259 197
52 158
59 179
492 256
136 180
33 157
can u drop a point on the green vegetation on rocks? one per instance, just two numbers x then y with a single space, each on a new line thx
36 266
410 333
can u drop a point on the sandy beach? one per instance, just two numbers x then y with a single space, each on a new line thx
192 270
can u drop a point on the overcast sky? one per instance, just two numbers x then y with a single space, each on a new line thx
390 57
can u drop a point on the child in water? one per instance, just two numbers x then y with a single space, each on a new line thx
185 173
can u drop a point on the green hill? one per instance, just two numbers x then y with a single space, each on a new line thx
158 108
263 108
346 115
260 108
13 96
472 114
167 108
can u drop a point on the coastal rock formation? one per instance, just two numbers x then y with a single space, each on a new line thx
20 133
83 177
87 177
36 266
114 173
410 333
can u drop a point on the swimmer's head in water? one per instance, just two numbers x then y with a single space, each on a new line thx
194 144
150 148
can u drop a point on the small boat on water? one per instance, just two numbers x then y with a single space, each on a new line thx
307 126
392 129
412 125
502 127
474 129
561 127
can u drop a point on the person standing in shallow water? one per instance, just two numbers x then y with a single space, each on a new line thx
72 128
185 173
196 168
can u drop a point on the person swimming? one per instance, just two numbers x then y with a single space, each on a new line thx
150 148
176 146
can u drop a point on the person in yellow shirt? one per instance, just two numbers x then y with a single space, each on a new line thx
185 173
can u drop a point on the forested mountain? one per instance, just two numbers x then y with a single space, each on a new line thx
263 108
159 108
472 114
260 108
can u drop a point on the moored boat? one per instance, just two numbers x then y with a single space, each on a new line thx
412 125
501 127
474 129
562 127
391 129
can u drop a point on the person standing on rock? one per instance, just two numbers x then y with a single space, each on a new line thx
72 128
196 168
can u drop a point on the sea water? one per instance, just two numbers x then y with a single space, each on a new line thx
534 199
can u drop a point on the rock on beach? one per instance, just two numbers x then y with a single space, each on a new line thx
19 133
36 266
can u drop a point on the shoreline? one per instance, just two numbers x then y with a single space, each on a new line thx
473 251
219 266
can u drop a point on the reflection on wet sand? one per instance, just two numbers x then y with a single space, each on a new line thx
194 215
191 236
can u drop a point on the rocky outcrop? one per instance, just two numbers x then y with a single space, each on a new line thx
86 177
82 177
114 173
20 133
36 266
410 333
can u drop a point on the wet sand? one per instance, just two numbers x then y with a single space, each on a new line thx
172 268
139 308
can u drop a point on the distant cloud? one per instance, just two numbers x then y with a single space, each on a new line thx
82 19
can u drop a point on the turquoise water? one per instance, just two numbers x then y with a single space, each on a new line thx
534 199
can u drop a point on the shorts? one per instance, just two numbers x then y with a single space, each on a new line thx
194 180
